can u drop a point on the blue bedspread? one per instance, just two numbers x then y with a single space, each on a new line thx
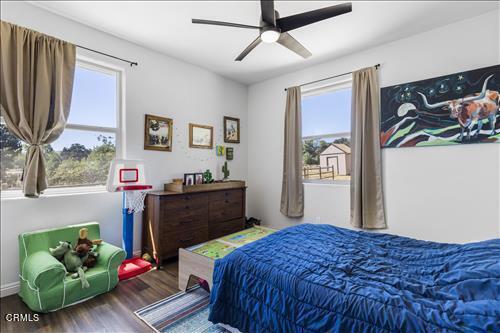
320 278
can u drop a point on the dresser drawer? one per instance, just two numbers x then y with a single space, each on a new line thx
232 196
220 229
172 241
184 218
184 201
225 212
225 205
184 212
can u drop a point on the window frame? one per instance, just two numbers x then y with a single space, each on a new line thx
118 131
328 87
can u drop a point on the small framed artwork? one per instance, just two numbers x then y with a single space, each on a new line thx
198 178
158 133
220 150
189 179
229 153
231 130
201 136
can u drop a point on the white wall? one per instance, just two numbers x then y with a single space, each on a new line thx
448 194
160 85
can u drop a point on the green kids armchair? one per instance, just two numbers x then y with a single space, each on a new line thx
45 284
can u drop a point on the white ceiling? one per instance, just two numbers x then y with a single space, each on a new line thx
166 27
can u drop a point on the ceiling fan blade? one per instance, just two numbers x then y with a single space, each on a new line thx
267 10
248 49
225 24
293 45
299 20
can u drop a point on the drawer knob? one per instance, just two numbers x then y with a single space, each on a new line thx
187 207
187 239
226 201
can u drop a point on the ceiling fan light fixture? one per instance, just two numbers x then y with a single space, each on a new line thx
270 36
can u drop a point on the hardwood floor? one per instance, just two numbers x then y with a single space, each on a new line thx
110 312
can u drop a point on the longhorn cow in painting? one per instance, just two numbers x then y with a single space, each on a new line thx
471 110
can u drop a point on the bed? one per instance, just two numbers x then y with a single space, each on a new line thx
320 278
198 260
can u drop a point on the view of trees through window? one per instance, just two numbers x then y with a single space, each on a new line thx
82 154
74 165
326 122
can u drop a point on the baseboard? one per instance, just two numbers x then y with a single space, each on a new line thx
9 289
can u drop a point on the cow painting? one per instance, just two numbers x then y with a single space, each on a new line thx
453 109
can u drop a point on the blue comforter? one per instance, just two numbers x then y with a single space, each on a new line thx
320 278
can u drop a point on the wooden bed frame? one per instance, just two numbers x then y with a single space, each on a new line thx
192 264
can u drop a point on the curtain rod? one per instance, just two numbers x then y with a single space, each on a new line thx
132 63
330 77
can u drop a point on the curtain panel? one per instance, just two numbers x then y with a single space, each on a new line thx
292 190
37 73
367 201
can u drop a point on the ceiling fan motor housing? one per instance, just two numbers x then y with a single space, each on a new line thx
266 24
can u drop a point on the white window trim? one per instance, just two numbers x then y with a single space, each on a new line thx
118 131
318 89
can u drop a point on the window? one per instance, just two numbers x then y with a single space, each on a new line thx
326 126
80 157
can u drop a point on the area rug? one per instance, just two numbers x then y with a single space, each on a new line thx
185 312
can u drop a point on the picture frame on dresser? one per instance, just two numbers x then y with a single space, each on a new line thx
189 179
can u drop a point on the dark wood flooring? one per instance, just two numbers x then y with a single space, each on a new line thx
110 312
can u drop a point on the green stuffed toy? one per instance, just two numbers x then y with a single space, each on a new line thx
72 261
60 250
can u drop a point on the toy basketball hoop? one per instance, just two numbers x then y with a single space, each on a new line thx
129 177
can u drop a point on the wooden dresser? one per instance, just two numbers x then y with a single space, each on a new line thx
174 220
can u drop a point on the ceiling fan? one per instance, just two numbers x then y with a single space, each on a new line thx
272 28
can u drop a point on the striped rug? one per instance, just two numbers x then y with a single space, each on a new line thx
185 312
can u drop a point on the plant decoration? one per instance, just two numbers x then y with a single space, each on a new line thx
207 177
225 171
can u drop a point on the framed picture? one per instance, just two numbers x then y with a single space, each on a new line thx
157 133
201 136
229 153
231 130
453 109
220 150
189 179
198 178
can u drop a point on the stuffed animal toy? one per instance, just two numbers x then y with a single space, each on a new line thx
83 234
72 261
59 251
92 244
74 264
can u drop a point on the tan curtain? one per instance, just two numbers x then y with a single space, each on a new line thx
367 202
36 84
292 191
